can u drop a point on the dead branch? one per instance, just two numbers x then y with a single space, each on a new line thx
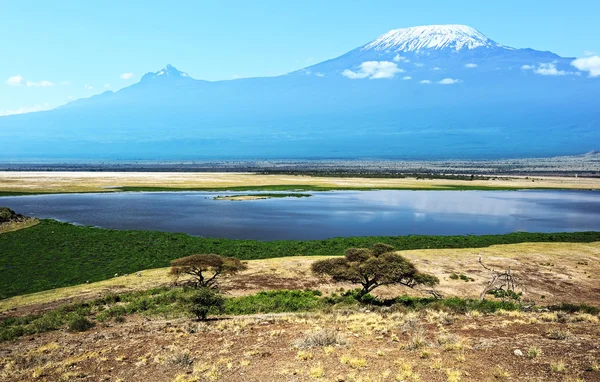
500 281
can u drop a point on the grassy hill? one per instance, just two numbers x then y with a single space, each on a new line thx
53 254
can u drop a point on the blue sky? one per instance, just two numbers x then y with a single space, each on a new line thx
56 51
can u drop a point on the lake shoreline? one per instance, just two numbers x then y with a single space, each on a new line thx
13 183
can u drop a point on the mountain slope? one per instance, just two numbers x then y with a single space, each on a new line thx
423 92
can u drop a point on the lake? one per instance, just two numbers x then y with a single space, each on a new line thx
324 214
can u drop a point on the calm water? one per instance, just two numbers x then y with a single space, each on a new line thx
325 214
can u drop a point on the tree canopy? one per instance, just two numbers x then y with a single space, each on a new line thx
373 267
205 269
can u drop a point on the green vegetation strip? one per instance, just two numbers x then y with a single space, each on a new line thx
290 187
173 302
307 187
264 195
53 254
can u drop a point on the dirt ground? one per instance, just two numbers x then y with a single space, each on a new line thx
104 181
352 345
549 272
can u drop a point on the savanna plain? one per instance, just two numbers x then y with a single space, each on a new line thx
68 315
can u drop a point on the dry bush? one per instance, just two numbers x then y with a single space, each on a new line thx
557 366
355 363
410 322
558 334
321 338
417 340
182 358
501 373
533 352
304 355
406 373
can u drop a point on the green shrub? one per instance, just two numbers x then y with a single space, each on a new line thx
49 321
274 302
79 324
203 301
505 294
575 308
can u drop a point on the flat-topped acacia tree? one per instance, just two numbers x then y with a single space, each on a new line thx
373 267
205 269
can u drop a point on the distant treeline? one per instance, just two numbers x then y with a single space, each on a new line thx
53 254
370 174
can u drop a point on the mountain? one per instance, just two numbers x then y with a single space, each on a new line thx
428 92
445 47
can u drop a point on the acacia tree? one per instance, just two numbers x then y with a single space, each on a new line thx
205 269
373 267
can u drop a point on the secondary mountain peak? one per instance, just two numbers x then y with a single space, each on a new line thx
169 71
451 36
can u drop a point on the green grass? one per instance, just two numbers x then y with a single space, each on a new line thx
22 193
288 187
172 302
274 302
53 254
166 302
305 187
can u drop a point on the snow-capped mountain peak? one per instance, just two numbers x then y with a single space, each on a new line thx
168 71
455 37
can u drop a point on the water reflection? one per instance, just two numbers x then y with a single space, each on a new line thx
325 214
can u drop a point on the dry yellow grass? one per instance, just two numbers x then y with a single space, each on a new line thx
574 274
15 226
94 181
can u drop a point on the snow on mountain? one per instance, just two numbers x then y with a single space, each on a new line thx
167 71
449 50
454 37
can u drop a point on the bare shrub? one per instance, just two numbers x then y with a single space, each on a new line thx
558 334
417 340
321 338
182 358
410 322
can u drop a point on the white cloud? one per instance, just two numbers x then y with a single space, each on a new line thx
549 69
527 67
437 68
418 64
319 74
425 82
374 70
589 53
126 76
106 86
449 81
17 80
398 58
407 78
26 109
42 84
589 64
471 65
88 87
